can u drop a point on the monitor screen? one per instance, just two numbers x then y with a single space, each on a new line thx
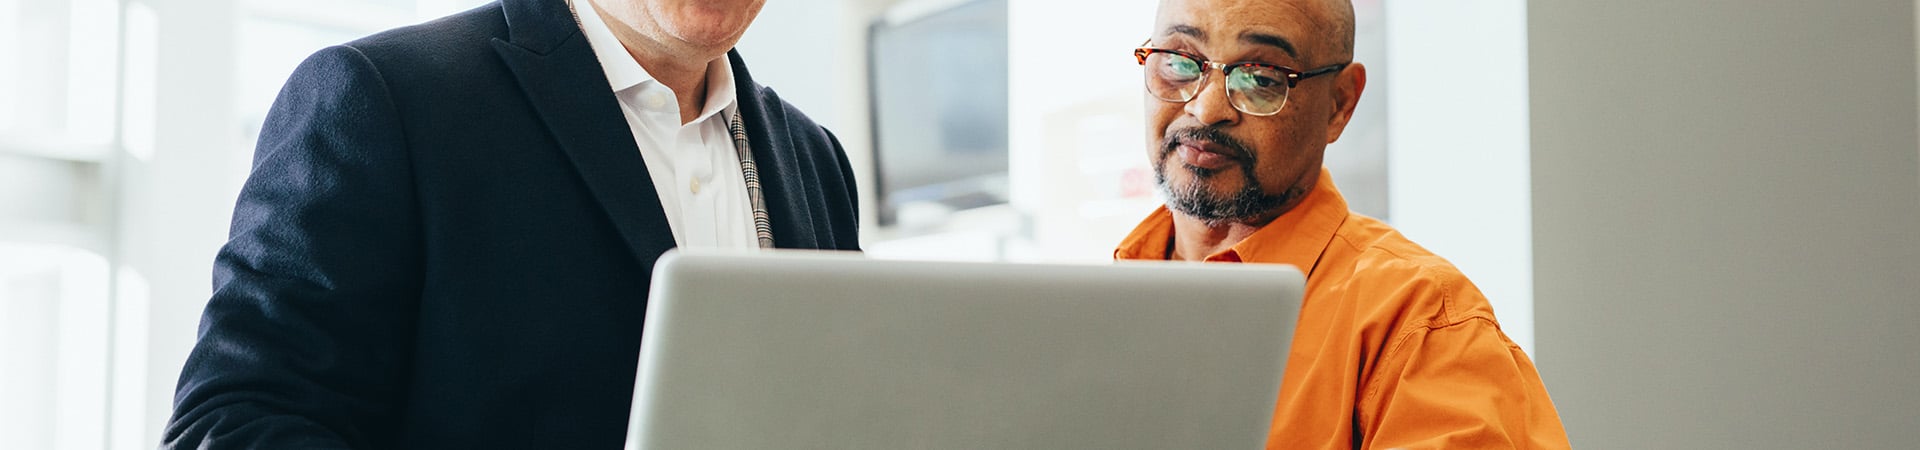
939 90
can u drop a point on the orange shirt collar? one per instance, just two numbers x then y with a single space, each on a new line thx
1297 237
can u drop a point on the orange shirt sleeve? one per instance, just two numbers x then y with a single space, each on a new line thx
1457 383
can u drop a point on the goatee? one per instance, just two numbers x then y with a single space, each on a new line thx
1195 200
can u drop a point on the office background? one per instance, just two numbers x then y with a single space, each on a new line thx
1701 218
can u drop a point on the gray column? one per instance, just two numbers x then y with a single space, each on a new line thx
1726 203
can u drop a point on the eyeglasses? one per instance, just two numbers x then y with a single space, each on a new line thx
1254 88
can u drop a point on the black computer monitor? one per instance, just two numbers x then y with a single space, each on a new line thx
938 83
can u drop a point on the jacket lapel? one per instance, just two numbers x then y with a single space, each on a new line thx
563 80
783 174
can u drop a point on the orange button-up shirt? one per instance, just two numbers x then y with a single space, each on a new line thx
1394 348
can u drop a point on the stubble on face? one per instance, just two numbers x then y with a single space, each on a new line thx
703 24
1197 196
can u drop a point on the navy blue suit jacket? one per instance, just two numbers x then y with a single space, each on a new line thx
446 242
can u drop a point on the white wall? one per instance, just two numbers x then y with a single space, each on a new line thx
1074 132
1458 181
1726 203
177 195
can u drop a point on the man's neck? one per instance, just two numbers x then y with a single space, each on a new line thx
689 85
687 77
1195 240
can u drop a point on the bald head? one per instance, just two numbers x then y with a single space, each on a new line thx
1340 26
1321 28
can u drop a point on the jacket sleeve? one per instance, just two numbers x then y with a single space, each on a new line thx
306 341
1457 382
847 233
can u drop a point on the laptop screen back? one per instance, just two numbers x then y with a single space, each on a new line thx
814 350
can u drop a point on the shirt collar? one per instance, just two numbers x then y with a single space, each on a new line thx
1296 238
624 73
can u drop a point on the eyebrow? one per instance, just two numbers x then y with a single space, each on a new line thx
1269 40
1185 29
1249 37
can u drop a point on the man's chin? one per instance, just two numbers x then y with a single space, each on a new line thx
711 27
1219 199
1212 183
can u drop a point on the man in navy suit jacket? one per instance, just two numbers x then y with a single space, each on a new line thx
449 231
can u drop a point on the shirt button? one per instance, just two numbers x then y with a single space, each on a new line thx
656 100
694 186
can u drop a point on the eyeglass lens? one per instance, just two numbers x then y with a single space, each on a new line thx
1253 89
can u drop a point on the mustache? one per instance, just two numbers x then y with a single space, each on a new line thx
1209 134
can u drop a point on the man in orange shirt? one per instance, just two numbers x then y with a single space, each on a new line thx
1395 348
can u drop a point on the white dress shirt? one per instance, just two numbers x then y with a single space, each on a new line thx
694 166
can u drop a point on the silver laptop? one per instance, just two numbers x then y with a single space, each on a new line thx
834 351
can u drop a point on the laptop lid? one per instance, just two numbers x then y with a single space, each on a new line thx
834 351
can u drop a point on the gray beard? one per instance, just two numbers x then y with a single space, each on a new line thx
1216 209
1247 205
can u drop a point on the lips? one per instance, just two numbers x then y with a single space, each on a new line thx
1205 155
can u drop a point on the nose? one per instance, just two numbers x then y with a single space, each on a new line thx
1211 106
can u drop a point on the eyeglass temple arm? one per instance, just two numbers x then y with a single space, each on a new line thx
1321 71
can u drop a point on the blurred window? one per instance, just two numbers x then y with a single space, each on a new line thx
72 341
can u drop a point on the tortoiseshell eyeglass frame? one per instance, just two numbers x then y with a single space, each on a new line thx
1292 76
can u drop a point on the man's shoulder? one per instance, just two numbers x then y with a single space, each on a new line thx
804 136
804 129
443 66
1376 244
1383 264
451 43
